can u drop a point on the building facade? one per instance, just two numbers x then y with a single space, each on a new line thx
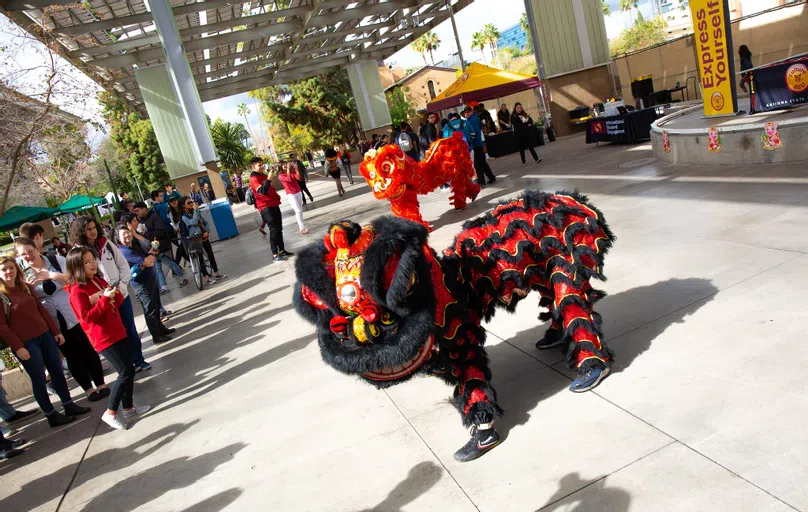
513 37
426 83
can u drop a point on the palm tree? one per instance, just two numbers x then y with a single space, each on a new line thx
627 5
243 110
429 42
525 24
478 41
227 137
419 46
607 11
492 35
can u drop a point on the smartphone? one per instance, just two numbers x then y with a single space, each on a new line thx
115 283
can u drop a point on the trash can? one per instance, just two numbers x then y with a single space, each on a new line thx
222 215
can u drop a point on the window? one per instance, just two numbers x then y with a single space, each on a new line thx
431 86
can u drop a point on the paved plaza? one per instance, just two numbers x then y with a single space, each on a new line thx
706 409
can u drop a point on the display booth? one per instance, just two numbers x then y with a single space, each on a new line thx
481 83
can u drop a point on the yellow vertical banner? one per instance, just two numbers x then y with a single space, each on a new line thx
712 35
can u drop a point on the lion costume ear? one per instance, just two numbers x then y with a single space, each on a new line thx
395 272
315 295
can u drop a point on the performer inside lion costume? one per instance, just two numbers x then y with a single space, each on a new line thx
388 307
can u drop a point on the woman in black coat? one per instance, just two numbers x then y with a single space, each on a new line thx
522 125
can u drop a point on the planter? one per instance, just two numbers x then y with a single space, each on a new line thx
16 384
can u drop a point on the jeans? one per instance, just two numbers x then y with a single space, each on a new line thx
167 258
481 166
45 354
347 167
120 392
6 409
148 294
295 201
132 336
272 216
82 359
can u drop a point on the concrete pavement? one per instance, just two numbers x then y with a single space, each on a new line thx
705 411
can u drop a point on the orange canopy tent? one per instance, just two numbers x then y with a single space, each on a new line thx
480 83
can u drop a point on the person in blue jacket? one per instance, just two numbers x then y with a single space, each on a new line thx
480 164
144 282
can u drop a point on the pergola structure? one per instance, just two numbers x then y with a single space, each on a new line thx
232 47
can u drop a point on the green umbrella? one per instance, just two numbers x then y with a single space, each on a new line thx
78 203
16 216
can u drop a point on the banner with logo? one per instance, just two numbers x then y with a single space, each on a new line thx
781 85
713 40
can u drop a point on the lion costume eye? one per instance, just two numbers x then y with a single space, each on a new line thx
387 166
373 175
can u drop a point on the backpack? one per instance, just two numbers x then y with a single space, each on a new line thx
404 142
332 165
346 157
461 129
249 196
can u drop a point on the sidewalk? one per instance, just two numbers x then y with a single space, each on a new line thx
705 410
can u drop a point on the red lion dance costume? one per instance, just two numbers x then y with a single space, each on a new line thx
393 175
387 306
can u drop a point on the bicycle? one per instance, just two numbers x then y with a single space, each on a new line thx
199 261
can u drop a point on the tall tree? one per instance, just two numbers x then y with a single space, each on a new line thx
35 85
604 5
640 35
430 42
525 24
135 142
65 170
401 105
478 41
492 35
419 46
324 104
243 110
628 5
228 137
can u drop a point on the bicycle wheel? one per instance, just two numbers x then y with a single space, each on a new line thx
196 267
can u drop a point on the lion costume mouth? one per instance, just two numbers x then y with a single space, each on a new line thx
400 371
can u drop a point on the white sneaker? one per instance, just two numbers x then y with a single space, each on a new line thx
113 420
134 411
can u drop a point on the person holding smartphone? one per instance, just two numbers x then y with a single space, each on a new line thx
47 281
144 281
34 337
96 303
86 231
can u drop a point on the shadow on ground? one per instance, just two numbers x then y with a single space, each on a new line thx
592 496
46 488
518 401
421 478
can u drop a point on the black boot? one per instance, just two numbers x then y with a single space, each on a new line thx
72 409
7 451
166 330
57 419
481 441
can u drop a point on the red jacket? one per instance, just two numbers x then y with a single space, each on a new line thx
100 321
271 198
290 182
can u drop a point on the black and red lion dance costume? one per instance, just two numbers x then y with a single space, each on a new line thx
394 176
387 306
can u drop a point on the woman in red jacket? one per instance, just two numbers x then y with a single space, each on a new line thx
96 305
33 335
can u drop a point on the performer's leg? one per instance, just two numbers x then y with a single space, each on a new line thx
474 397
407 207
555 333
587 352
